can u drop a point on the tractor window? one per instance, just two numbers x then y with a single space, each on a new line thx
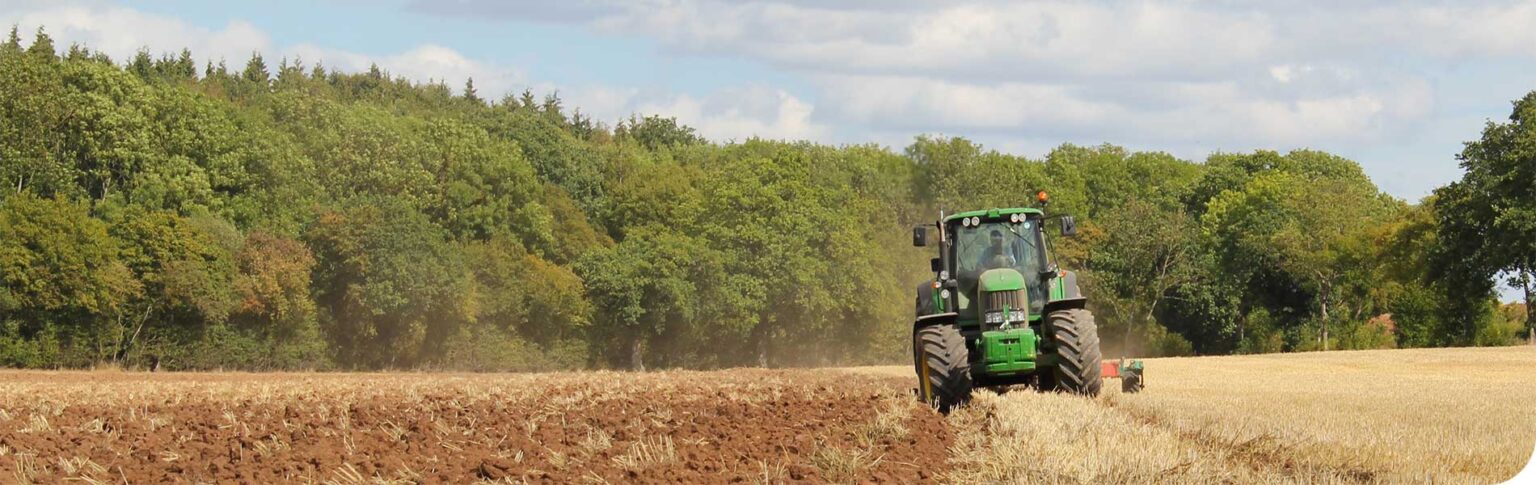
994 245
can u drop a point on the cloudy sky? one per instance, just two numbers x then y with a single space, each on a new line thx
1397 87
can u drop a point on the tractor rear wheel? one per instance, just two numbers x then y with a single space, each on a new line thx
943 367
1075 338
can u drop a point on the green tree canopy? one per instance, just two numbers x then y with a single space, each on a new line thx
1488 217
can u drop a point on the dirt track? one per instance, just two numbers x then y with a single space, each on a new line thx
1445 415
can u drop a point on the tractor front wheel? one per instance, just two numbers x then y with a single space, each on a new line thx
943 367
1075 337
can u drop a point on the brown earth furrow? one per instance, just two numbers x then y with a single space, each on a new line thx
697 427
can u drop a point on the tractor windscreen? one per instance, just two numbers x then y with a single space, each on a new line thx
999 244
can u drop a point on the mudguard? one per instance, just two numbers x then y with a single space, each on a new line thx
934 319
924 298
1065 304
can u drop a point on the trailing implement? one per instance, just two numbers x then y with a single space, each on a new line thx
1000 313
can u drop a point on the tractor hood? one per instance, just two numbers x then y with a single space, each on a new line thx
1001 279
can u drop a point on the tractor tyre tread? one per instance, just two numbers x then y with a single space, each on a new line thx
1075 337
942 349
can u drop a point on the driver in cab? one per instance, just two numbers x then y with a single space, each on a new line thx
997 255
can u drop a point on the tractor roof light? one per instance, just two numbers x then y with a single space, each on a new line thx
1014 218
1043 197
975 221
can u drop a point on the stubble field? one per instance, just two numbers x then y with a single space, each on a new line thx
1445 415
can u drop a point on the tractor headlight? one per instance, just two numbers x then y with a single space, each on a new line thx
944 294
944 275
1013 316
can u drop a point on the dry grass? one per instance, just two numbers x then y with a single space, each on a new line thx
1430 415
646 453
1461 415
889 424
838 465
771 473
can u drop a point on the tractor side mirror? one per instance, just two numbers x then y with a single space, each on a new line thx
936 265
920 236
1068 226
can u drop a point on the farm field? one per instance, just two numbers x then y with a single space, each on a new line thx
1443 415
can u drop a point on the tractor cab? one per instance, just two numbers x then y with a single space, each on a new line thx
994 268
998 261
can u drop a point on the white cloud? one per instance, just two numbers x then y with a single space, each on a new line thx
424 63
1049 38
993 41
1282 74
121 32
604 103
916 102
736 113
1233 76
1222 112
741 113
1457 30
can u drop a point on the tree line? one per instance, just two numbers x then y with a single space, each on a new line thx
161 213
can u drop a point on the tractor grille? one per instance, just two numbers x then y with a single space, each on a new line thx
998 299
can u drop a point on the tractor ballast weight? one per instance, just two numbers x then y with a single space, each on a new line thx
999 312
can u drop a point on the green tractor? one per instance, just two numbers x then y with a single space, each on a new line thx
1000 313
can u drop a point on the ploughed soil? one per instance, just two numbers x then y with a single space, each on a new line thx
743 425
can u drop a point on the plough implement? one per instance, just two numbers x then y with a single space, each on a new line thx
1129 373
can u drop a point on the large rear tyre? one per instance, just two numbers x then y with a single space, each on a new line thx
943 367
1075 339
